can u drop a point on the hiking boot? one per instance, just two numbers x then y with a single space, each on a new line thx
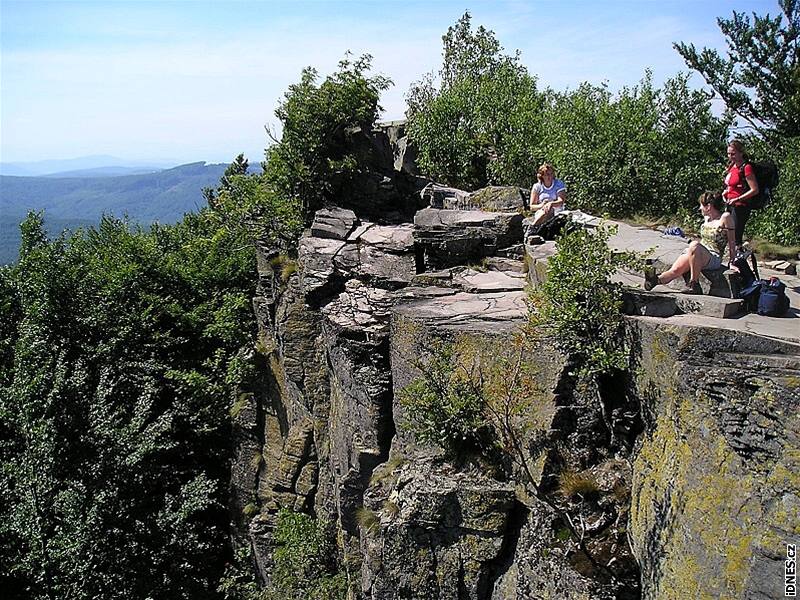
692 287
650 278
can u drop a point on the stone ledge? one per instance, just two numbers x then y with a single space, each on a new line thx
658 304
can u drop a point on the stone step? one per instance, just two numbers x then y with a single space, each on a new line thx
660 304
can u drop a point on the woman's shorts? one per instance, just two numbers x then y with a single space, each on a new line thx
714 262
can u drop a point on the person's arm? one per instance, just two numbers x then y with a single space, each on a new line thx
534 203
752 182
561 198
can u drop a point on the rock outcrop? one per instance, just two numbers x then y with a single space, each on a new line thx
675 479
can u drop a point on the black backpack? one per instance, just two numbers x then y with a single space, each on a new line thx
766 173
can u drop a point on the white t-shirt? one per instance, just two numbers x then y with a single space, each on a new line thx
549 194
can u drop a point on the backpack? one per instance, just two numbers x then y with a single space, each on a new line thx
751 294
766 174
772 301
746 274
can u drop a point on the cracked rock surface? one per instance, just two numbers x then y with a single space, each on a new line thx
703 482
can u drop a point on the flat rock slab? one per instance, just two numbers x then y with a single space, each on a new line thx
648 304
395 238
383 254
659 304
446 238
462 311
446 219
663 249
710 306
496 263
471 280
499 198
361 309
334 223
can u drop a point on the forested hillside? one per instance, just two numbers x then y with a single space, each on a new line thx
71 202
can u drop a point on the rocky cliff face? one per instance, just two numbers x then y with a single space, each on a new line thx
678 479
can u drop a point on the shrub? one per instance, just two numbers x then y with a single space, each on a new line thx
780 221
483 120
473 124
579 304
444 407
572 483
304 562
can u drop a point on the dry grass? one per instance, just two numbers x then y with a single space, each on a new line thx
571 483
240 404
391 509
387 469
283 266
367 519
255 462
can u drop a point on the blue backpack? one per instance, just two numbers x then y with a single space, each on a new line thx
767 298
773 301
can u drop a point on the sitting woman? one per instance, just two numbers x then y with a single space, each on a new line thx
716 232
547 196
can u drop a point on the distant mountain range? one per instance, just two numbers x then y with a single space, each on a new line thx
72 167
83 197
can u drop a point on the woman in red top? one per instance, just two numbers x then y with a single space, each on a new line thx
740 187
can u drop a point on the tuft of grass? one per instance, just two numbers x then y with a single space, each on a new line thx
250 510
571 483
240 404
262 348
649 221
387 469
367 519
563 534
622 493
391 508
256 461
283 266
771 251
288 270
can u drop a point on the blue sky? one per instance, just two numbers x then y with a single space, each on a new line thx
187 80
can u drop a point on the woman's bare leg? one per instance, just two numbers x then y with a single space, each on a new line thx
542 217
678 268
698 259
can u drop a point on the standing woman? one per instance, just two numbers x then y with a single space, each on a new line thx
740 187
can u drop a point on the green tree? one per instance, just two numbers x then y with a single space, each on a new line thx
474 125
759 79
305 566
238 167
581 306
311 162
483 120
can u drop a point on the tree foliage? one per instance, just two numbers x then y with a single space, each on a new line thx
311 160
121 351
579 303
759 79
305 566
644 150
472 112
